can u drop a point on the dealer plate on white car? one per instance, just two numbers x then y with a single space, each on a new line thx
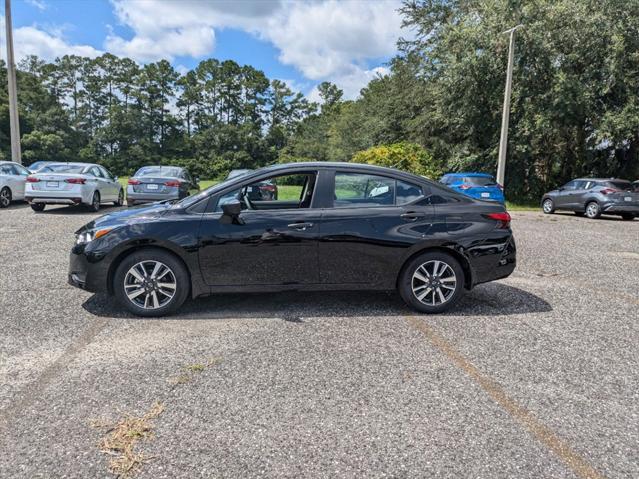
52 184
485 195
152 187
627 198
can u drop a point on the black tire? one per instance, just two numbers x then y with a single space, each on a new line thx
120 200
430 259
628 217
5 197
95 202
593 210
177 269
548 206
38 207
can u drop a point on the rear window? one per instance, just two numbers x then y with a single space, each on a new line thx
479 180
62 169
620 185
169 171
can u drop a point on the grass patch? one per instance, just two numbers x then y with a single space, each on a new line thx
522 206
122 437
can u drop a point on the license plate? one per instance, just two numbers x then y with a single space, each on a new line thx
485 195
627 198
152 187
52 184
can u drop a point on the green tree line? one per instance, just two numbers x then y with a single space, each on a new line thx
575 102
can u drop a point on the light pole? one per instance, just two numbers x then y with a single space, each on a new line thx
503 140
14 123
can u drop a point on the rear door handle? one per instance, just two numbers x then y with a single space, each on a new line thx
300 226
411 216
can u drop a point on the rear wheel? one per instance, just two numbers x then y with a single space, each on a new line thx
432 282
593 211
95 202
38 207
120 200
151 282
548 206
5 197
627 217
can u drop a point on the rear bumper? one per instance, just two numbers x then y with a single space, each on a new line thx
144 197
620 208
74 196
53 201
496 262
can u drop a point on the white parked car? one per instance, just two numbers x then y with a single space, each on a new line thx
12 179
73 184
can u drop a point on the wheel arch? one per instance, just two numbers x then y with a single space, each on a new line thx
455 253
137 247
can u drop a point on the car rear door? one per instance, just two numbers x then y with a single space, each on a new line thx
371 221
111 183
275 244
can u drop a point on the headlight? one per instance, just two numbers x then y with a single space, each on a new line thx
88 236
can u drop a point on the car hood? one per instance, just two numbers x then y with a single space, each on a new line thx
129 216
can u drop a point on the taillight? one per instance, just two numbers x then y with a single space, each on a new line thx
503 218
133 181
75 181
465 187
32 179
607 191
173 183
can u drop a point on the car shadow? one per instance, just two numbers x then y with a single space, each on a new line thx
492 299
18 205
603 217
77 210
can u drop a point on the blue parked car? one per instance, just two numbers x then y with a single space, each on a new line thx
476 185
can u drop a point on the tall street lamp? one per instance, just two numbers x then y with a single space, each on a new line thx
503 140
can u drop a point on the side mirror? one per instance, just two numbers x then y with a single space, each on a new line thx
232 208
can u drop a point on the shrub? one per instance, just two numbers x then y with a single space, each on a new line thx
402 156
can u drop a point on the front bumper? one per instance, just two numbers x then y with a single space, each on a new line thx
87 271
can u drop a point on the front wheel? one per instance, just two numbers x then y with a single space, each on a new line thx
151 282
95 202
548 206
432 282
593 211
5 197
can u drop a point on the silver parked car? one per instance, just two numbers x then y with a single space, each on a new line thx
73 184
13 177
159 183
594 197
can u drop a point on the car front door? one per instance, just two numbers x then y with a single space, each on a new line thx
372 219
562 198
271 242
573 198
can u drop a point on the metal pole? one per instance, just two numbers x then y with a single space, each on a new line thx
14 122
503 140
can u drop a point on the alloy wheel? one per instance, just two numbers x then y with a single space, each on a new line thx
434 283
5 198
547 206
150 284
592 210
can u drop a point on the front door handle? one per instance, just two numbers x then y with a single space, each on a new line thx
411 216
300 226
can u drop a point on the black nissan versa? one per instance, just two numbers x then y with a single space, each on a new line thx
337 226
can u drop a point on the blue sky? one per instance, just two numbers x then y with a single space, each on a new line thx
301 42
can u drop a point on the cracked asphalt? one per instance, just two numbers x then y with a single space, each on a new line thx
532 376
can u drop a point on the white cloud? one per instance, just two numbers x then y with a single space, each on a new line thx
351 83
325 40
39 4
47 45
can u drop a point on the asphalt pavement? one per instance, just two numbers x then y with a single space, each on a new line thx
532 376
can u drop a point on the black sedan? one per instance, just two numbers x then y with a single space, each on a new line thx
349 226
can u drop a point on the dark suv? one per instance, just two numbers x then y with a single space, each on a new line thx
594 197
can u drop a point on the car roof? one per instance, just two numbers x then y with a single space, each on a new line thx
480 175
599 179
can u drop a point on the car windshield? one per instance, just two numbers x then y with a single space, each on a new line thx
170 171
191 200
479 180
236 173
62 169
621 185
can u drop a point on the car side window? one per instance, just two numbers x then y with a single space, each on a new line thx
95 172
21 170
106 173
6 170
440 197
407 192
357 189
571 185
278 192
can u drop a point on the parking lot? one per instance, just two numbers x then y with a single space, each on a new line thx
532 376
